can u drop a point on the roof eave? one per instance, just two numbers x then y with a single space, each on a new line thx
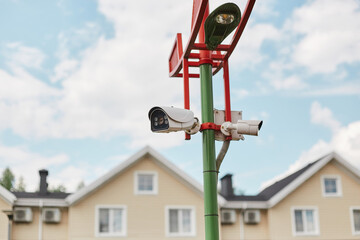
40 202
9 197
246 205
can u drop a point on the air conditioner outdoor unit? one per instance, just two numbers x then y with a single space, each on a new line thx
228 216
252 216
22 214
51 215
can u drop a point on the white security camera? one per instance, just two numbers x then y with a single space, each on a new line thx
246 127
170 119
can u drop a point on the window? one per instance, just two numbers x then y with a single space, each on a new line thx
305 221
146 182
180 221
355 220
110 221
331 185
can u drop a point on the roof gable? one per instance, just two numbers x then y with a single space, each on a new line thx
276 187
122 167
276 192
307 173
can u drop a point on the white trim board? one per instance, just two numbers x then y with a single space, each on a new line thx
7 195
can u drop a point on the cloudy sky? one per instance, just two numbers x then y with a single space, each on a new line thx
77 79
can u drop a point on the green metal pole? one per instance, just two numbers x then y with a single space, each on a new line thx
209 161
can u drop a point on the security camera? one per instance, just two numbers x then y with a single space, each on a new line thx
246 127
171 119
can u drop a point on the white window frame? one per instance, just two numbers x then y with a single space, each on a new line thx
338 186
316 220
123 233
180 234
352 219
154 191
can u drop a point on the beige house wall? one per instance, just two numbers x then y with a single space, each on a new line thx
333 212
241 230
50 231
231 231
4 219
28 231
260 230
145 213
57 231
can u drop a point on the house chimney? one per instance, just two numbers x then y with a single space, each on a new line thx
226 186
43 184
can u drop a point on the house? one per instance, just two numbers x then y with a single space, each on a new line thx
148 197
319 201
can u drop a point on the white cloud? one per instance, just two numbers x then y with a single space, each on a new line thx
329 35
323 116
110 90
345 141
25 163
350 88
20 55
289 83
265 9
69 177
320 37
240 93
276 75
64 69
20 86
248 51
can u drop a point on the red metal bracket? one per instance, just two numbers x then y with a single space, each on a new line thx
218 58
209 126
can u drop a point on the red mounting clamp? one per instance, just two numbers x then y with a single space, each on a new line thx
209 125
206 61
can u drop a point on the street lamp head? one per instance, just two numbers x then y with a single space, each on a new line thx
220 23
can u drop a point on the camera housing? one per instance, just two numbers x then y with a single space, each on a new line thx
171 119
245 127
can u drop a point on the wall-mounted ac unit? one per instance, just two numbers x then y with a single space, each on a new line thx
228 216
252 216
51 215
22 214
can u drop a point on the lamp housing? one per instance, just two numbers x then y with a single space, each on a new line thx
220 23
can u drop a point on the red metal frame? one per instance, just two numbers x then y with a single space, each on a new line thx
209 125
179 59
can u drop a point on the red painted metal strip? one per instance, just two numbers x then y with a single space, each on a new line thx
194 31
186 85
195 10
227 91
194 64
191 75
202 46
186 90
200 16
204 54
194 55
217 69
176 53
